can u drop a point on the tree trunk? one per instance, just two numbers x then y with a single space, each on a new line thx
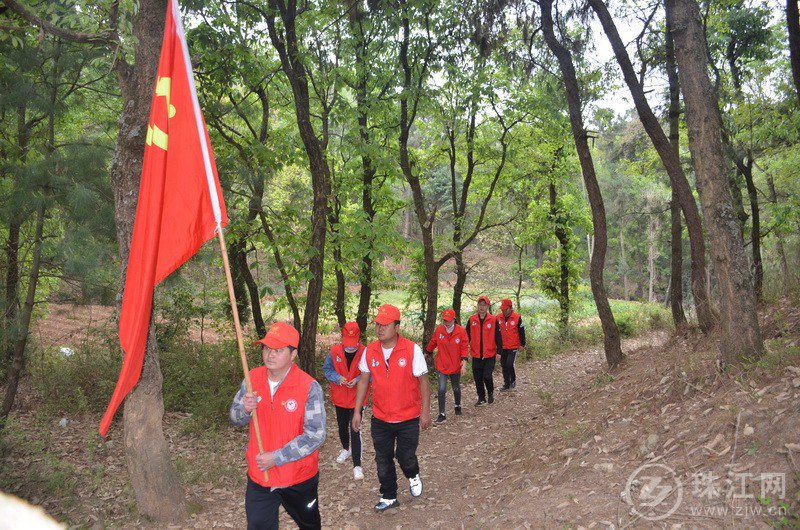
563 254
676 240
740 335
286 43
425 222
10 316
236 257
159 494
339 300
652 254
367 166
755 228
738 201
255 296
461 281
518 292
284 272
773 198
21 339
793 26
10 325
671 161
676 265
613 349
623 259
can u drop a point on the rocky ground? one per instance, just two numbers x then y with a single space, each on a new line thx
663 441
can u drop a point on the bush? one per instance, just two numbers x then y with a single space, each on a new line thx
202 379
626 324
198 379
81 382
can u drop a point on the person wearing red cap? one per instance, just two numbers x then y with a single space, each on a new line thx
400 404
484 340
341 369
513 332
450 339
291 420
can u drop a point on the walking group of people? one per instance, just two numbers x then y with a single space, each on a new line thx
290 411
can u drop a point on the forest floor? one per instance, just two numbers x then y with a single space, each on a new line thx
566 449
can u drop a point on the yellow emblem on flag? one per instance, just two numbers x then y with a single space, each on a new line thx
155 136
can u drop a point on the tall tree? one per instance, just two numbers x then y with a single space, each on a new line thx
740 335
611 338
410 98
676 239
793 27
672 163
284 37
159 494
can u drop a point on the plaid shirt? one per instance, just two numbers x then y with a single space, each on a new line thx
313 425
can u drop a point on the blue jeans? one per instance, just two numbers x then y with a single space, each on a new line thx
455 381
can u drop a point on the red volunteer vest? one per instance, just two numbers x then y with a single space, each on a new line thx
395 390
487 330
509 330
280 420
341 395
451 348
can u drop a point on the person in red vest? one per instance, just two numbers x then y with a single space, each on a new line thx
341 369
401 404
512 330
291 420
452 343
484 340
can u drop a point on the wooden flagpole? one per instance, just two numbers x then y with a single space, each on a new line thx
239 339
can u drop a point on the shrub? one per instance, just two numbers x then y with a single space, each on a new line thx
626 324
202 380
81 382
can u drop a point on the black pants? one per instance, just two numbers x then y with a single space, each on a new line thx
405 437
455 381
508 360
347 434
482 372
300 502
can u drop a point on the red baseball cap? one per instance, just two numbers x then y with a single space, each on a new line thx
280 335
484 298
448 314
506 303
351 334
387 313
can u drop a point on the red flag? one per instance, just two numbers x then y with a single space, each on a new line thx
180 200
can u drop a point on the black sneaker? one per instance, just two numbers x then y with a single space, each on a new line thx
441 419
491 399
505 388
386 504
512 385
458 411
480 402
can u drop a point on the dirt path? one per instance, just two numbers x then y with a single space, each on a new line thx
467 463
557 452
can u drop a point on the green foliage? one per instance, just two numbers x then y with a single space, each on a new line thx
202 379
81 382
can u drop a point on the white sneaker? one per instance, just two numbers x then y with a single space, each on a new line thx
415 486
343 455
358 473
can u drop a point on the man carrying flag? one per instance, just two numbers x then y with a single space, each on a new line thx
179 205
291 420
